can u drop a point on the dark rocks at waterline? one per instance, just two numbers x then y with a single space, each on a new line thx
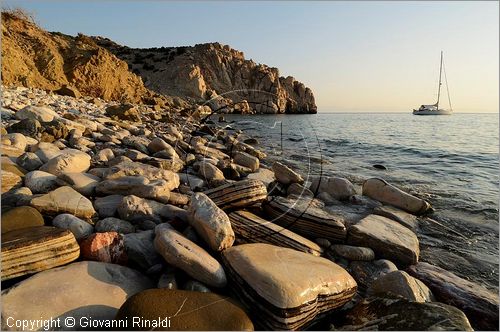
379 166
479 304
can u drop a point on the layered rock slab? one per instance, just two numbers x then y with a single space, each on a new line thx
34 249
303 217
284 288
79 290
238 194
250 228
187 311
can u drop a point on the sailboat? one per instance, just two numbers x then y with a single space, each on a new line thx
434 109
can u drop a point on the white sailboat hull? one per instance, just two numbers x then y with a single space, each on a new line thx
432 112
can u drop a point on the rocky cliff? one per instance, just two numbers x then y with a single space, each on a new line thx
216 74
33 57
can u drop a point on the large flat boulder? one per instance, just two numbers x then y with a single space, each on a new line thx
64 200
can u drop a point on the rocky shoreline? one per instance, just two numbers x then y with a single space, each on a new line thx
116 210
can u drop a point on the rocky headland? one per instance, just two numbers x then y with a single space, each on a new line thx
114 209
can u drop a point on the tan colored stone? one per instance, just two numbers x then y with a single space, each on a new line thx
64 200
402 284
238 194
10 181
21 217
285 174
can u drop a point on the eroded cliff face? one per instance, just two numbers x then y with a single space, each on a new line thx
33 57
218 75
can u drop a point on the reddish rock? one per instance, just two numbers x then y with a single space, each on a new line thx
104 247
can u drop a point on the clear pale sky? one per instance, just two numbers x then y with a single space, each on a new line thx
355 56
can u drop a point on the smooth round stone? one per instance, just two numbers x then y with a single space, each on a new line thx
185 311
71 161
17 197
21 217
80 228
402 284
84 183
140 249
64 200
79 290
10 181
367 272
29 161
353 253
40 182
112 224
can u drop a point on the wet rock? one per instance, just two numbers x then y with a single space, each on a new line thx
64 200
40 182
400 283
73 161
250 228
107 206
387 238
365 273
34 249
386 193
285 174
186 310
84 183
246 160
404 218
29 161
136 185
378 166
479 304
40 113
21 217
302 217
382 314
123 112
83 290
80 229
187 256
336 187
238 194
111 224
10 181
104 247
285 288
353 253
210 222
140 249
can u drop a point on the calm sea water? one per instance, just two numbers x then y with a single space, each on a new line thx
452 161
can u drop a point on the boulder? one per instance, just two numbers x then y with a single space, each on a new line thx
352 253
247 160
187 256
284 288
10 181
29 161
383 314
40 182
82 291
140 249
130 168
336 187
40 113
478 303
21 217
71 161
84 183
286 175
108 205
186 311
123 112
27 127
210 222
387 238
64 200
70 91
404 218
386 193
365 273
104 247
209 172
34 249
17 197
264 175
16 140
111 224
136 209
136 185
80 228
400 283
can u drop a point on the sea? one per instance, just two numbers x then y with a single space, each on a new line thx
451 161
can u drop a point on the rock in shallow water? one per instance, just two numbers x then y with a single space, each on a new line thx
479 304
79 290
402 284
187 311
387 238
383 314
284 288
386 193
34 249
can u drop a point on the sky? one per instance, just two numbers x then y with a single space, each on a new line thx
356 56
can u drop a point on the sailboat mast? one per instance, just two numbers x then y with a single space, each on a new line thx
439 86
